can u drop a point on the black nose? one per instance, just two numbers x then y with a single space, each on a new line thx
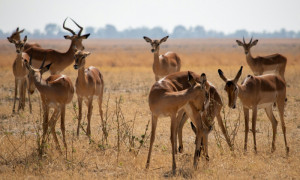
233 107
152 50
18 51
75 67
246 53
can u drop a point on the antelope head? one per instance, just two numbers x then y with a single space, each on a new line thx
155 43
201 100
35 74
231 87
76 38
80 58
15 35
247 46
19 44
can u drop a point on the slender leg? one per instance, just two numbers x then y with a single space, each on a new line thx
63 129
246 115
29 100
152 138
90 111
16 92
23 84
173 140
274 122
80 114
205 145
52 123
281 112
183 117
254 116
45 126
224 131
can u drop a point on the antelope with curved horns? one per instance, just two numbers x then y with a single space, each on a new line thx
56 92
89 83
258 92
58 59
165 100
15 36
260 65
20 72
163 64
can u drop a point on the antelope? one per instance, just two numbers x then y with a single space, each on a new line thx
60 60
257 92
20 72
165 100
274 64
163 64
213 110
15 36
89 83
56 92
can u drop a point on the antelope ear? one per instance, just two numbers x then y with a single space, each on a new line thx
87 54
25 39
147 39
191 79
239 42
238 75
67 37
254 42
21 31
221 74
85 36
164 39
203 80
45 69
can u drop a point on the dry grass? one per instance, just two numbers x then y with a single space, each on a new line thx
126 67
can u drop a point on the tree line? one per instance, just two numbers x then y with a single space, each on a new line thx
54 31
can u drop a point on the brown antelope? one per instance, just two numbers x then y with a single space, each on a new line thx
274 64
163 64
20 73
15 36
258 92
213 110
166 100
60 60
56 92
89 83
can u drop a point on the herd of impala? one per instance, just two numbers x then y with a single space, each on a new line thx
179 95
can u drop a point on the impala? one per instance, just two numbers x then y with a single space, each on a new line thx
20 73
274 63
56 91
163 64
258 92
15 36
89 83
166 100
60 60
213 110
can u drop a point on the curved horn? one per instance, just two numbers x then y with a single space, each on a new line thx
244 40
68 29
42 65
79 33
251 40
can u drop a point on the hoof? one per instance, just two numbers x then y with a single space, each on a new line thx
180 149
287 150
207 158
198 152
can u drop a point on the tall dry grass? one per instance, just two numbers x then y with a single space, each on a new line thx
126 67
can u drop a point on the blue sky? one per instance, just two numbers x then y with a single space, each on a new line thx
220 15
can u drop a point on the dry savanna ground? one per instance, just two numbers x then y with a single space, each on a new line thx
126 67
